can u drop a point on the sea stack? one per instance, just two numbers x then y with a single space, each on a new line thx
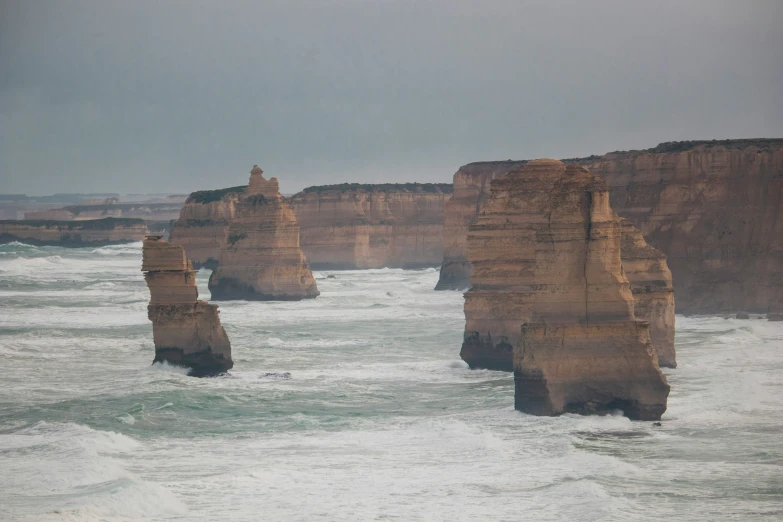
550 299
187 331
261 259
651 284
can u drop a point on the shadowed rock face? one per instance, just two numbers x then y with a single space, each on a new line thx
715 209
651 284
187 332
545 252
372 226
261 259
471 189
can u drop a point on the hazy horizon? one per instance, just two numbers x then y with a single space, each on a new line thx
180 96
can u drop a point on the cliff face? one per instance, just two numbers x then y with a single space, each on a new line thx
147 211
187 332
550 300
471 189
715 209
202 227
99 232
261 259
651 284
372 226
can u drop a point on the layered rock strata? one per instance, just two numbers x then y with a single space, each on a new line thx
187 332
261 259
202 226
715 208
91 233
471 189
712 207
546 254
353 226
651 283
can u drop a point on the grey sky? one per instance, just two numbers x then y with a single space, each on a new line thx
153 96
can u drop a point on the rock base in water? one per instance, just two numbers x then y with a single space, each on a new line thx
588 368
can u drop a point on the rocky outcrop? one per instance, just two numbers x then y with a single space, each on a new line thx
715 208
550 300
353 226
651 284
712 207
187 332
202 226
471 189
147 211
261 259
93 233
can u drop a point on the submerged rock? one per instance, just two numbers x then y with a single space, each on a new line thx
775 317
743 315
261 259
550 299
187 332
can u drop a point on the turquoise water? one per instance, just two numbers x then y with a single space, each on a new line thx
379 420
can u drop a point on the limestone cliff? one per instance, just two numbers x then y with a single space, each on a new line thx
261 259
651 284
354 226
187 332
471 189
550 299
146 211
202 227
715 208
89 233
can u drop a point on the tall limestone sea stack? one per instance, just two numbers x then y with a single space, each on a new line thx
550 299
261 259
187 332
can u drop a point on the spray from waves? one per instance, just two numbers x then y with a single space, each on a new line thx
73 470
168 368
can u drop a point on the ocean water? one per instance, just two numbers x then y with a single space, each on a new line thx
379 420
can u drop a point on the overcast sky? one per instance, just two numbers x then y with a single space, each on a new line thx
175 96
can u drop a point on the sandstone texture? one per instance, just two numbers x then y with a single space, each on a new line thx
261 259
187 332
715 208
651 284
547 272
354 226
202 226
471 189
712 207
92 233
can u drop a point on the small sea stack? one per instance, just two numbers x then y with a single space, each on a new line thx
261 259
550 299
187 332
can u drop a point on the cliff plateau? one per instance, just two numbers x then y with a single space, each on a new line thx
88 233
353 226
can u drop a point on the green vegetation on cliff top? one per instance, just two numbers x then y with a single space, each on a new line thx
210 196
446 188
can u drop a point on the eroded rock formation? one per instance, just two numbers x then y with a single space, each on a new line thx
471 189
202 227
714 208
187 332
261 259
546 253
88 233
651 284
354 226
